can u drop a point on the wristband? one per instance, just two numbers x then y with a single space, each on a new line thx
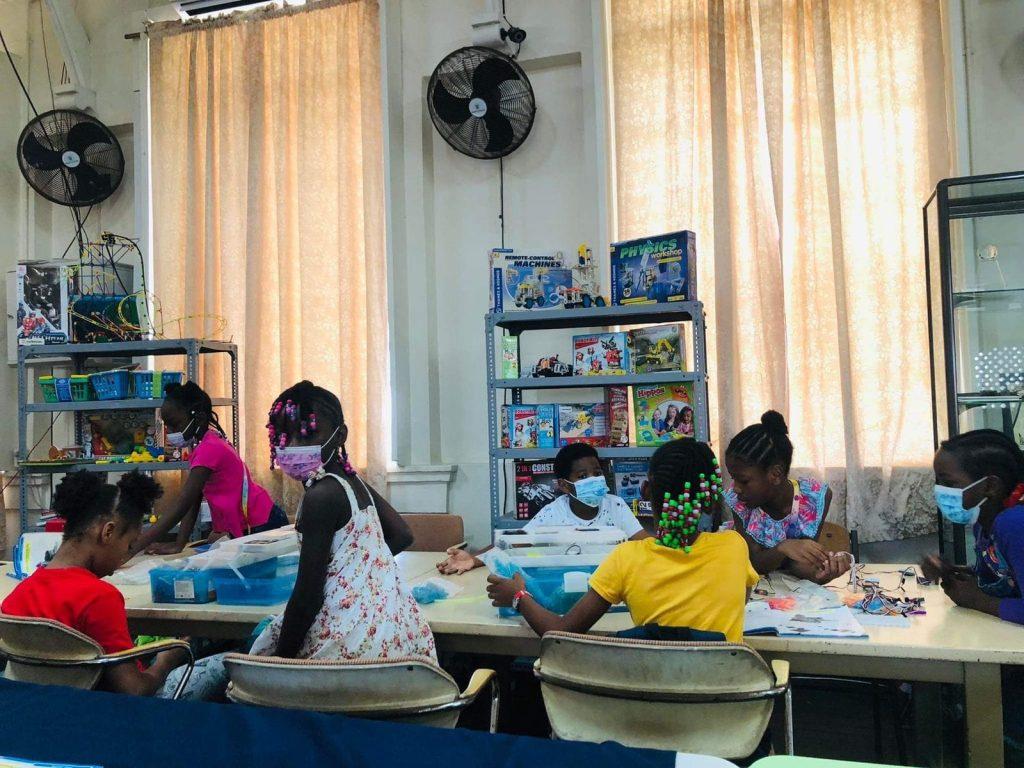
517 598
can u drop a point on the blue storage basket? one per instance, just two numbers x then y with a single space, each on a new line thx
111 385
268 582
147 386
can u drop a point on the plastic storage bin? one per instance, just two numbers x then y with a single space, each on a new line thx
111 385
176 582
48 385
81 389
547 586
151 384
267 582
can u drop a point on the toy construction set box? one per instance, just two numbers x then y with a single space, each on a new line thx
655 270
528 426
663 413
600 354
657 349
522 281
583 423
39 294
630 475
535 487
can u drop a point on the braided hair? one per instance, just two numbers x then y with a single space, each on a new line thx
982 452
306 406
684 482
763 445
82 498
194 400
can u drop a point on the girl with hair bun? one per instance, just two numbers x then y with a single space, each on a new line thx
238 505
779 517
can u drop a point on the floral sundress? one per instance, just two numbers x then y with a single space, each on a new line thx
368 612
803 522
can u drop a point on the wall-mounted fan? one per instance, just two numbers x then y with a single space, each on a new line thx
70 158
481 102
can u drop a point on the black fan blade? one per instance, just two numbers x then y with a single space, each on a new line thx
449 107
90 187
490 74
84 135
38 156
499 130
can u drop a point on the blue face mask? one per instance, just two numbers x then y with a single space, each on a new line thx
590 490
950 502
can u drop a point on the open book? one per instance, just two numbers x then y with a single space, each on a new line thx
760 619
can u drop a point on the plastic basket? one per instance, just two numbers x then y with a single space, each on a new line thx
111 385
81 390
49 388
151 384
268 582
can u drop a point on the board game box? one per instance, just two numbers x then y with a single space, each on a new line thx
657 349
600 354
630 475
663 413
654 270
529 426
617 399
525 281
535 487
583 423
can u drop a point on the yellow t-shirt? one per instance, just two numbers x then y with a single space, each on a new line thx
705 589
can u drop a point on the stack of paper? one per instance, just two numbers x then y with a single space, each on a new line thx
761 619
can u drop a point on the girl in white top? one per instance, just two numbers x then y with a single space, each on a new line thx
349 600
585 502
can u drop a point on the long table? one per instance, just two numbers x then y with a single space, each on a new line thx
947 645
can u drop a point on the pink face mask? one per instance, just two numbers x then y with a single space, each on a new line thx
303 462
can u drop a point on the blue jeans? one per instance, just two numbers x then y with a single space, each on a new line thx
277 519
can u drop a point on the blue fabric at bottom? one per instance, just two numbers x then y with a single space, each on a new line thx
55 724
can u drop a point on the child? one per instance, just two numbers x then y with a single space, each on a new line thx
683 578
101 523
349 601
684 423
780 518
657 423
979 481
238 505
671 415
585 501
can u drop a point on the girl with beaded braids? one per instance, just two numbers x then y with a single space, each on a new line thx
349 601
684 577
779 517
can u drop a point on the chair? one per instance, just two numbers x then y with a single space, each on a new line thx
705 698
435 532
48 653
411 690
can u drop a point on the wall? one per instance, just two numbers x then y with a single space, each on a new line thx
445 219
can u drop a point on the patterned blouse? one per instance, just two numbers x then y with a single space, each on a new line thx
368 612
804 522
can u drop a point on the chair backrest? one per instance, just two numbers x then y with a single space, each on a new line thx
434 532
407 690
834 537
47 652
705 698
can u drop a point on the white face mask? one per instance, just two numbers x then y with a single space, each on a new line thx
177 439
950 502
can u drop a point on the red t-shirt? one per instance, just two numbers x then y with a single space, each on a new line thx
77 598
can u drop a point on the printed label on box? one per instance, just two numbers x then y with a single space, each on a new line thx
184 589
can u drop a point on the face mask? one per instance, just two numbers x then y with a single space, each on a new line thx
302 462
177 439
590 490
951 503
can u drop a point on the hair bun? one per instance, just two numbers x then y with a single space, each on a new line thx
140 490
76 492
774 423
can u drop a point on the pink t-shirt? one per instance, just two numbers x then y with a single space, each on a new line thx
223 491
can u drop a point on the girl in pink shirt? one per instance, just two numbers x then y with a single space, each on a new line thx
238 505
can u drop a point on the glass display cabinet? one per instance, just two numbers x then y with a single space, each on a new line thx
974 267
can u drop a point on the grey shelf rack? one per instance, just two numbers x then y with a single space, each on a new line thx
79 357
517 323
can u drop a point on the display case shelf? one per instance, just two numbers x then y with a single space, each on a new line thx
110 405
583 382
92 466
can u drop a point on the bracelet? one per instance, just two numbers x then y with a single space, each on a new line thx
517 598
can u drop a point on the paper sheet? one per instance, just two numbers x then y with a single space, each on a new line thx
760 618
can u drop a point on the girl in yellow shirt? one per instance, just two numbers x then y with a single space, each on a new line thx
680 578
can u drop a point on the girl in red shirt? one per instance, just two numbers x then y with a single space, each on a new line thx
102 522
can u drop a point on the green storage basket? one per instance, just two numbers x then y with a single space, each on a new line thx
81 390
48 384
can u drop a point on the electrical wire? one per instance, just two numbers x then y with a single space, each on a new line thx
17 75
46 58
501 197
74 238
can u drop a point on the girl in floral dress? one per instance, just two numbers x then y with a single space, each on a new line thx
349 600
779 517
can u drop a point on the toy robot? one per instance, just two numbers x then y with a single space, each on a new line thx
585 291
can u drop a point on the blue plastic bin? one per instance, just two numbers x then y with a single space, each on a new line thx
546 585
268 582
111 385
146 385
168 584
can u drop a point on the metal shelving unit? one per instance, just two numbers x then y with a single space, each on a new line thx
79 357
517 323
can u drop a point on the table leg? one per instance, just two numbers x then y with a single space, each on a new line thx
983 695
